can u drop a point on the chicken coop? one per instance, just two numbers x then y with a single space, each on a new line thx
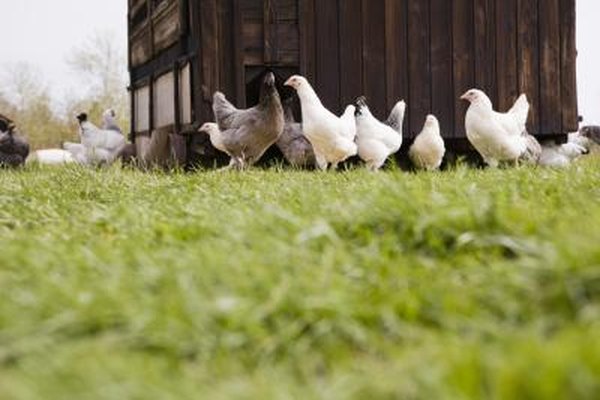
427 52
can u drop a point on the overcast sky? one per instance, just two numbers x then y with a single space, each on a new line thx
44 32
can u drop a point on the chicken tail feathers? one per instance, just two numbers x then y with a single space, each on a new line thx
348 122
361 106
223 110
533 149
520 110
396 118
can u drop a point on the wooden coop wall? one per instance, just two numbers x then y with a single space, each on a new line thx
427 52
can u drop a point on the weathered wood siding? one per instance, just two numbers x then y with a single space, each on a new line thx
427 52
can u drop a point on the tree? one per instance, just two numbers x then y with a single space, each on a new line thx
28 102
101 64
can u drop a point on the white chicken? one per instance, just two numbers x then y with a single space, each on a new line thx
332 137
428 149
78 151
498 136
51 157
558 156
377 140
215 135
216 139
102 146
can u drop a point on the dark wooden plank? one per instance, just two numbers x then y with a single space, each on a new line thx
307 38
210 55
550 87
419 64
270 32
463 44
166 27
485 47
238 48
351 68
442 92
506 53
568 57
227 73
184 16
396 48
528 59
326 82
196 63
374 76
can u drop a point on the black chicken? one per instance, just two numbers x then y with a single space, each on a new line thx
14 149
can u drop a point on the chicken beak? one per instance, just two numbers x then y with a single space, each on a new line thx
465 96
288 82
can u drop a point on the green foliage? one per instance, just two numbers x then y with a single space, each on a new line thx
28 103
288 284
46 121
100 64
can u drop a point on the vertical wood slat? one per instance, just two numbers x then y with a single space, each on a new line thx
528 59
132 105
132 127
442 94
238 48
270 32
351 64
307 38
485 47
464 63
177 97
151 26
226 52
374 64
196 63
506 58
396 45
184 18
550 77
210 56
151 30
327 66
419 64
568 57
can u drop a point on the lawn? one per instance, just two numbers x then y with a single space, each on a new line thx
278 284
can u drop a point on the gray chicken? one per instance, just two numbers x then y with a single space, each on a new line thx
592 133
295 147
109 121
14 149
247 134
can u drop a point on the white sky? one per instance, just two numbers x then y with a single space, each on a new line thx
44 32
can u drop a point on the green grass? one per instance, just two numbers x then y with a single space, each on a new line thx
300 285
